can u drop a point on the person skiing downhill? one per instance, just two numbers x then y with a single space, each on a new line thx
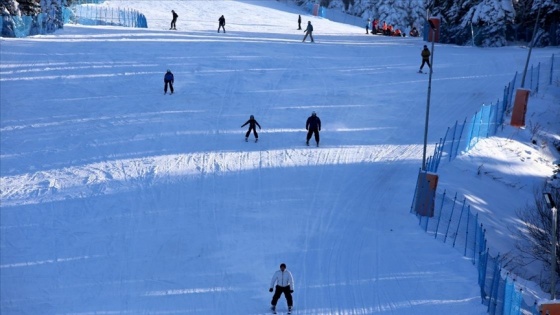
222 23
284 282
308 31
313 126
425 58
168 79
174 20
252 127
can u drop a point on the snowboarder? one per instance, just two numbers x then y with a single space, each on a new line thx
222 23
252 127
174 20
308 31
425 58
313 126
168 79
284 282
299 22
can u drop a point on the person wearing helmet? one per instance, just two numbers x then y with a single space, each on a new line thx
168 79
313 126
283 282
252 127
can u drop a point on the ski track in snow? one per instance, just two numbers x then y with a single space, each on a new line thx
121 175
119 200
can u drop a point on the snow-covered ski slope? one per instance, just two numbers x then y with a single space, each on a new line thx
116 199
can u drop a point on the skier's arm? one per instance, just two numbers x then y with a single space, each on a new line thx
319 123
291 281
258 124
245 124
273 281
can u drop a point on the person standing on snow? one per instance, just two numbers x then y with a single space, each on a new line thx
299 22
425 58
284 282
168 79
313 126
174 20
308 31
222 23
252 127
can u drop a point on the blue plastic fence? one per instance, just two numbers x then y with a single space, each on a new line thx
486 122
82 11
91 14
455 224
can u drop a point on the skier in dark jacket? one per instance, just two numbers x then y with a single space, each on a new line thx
299 22
168 79
313 126
174 20
308 31
425 58
222 23
252 127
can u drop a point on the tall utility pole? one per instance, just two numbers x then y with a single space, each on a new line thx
552 207
530 49
433 30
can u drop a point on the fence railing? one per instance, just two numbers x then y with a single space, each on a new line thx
87 14
454 223
81 11
486 122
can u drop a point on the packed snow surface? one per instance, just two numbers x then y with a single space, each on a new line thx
118 199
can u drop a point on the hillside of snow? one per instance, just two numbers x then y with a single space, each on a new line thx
118 199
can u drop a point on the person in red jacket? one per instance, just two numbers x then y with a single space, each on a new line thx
374 26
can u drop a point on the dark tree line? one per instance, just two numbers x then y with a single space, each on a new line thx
464 22
46 15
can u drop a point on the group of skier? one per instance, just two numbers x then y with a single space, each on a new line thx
312 125
222 25
174 16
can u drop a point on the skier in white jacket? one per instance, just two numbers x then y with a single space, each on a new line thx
284 282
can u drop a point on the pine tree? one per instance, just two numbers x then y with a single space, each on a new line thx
53 14
490 18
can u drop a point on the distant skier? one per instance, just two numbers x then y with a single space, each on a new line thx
222 23
425 58
367 26
299 22
284 282
174 20
252 127
168 79
308 31
313 126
